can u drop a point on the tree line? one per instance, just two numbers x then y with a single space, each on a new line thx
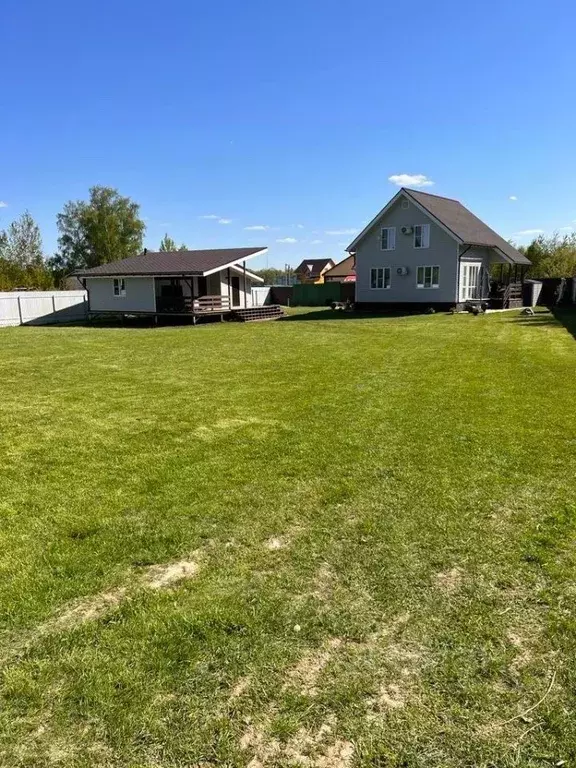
108 227
104 228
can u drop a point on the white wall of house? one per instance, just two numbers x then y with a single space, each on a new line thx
140 295
245 299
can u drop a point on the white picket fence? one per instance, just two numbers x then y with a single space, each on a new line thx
41 307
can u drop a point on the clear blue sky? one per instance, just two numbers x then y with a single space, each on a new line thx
290 116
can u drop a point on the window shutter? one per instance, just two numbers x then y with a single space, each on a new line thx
392 238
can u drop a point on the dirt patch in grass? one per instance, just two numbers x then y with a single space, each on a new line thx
307 671
305 748
449 581
524 653
86 610
275 543
159 576
259 428
239 689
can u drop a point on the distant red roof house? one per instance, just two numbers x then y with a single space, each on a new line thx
312 270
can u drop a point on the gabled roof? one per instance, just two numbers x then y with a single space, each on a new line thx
174 262
343 268
462 224
313 267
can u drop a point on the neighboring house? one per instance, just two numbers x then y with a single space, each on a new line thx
178 282
312 270
343 272
425 249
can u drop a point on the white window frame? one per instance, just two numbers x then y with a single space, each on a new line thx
424 236
431 267
390 238
385 278
119 287
470 289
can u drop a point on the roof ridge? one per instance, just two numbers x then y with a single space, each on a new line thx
149 251
431 194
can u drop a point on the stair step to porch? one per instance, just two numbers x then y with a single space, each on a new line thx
251 314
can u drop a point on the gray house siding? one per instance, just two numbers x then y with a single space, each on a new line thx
442 251
139 295
140 291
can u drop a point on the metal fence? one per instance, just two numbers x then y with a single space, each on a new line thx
41 307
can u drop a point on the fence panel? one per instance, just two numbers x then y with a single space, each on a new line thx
261 295
41 307
316 295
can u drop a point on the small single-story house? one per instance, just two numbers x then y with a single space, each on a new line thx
423 249
173 282
343 272
313 270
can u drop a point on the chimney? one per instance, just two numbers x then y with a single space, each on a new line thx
145 251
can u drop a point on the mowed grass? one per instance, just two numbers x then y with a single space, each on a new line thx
375 522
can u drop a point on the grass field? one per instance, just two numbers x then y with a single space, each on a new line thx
326 542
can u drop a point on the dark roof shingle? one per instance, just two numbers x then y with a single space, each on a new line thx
172 262
463 223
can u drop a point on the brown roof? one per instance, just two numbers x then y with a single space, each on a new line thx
464 224
313 267
342 269
172 262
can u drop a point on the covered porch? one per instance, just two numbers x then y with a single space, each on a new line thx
492 279
200 295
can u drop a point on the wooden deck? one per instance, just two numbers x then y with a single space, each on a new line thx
197 309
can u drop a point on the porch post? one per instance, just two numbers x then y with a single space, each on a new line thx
501 273
229 290
154 291
244 266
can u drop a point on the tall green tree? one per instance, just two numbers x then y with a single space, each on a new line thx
21 259
23 242
553 256
167 244
105 228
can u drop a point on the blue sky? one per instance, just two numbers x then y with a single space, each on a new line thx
289 116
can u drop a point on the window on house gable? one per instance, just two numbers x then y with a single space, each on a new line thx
380 277
428 277
119 286
422 236
388 238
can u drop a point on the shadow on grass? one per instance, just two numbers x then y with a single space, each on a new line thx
555 317
329 314
132 323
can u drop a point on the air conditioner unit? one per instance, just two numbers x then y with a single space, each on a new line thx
402 271
407 230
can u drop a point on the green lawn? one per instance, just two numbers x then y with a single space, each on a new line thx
330 542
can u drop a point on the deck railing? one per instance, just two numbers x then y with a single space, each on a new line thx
512 295
211 304
200 305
